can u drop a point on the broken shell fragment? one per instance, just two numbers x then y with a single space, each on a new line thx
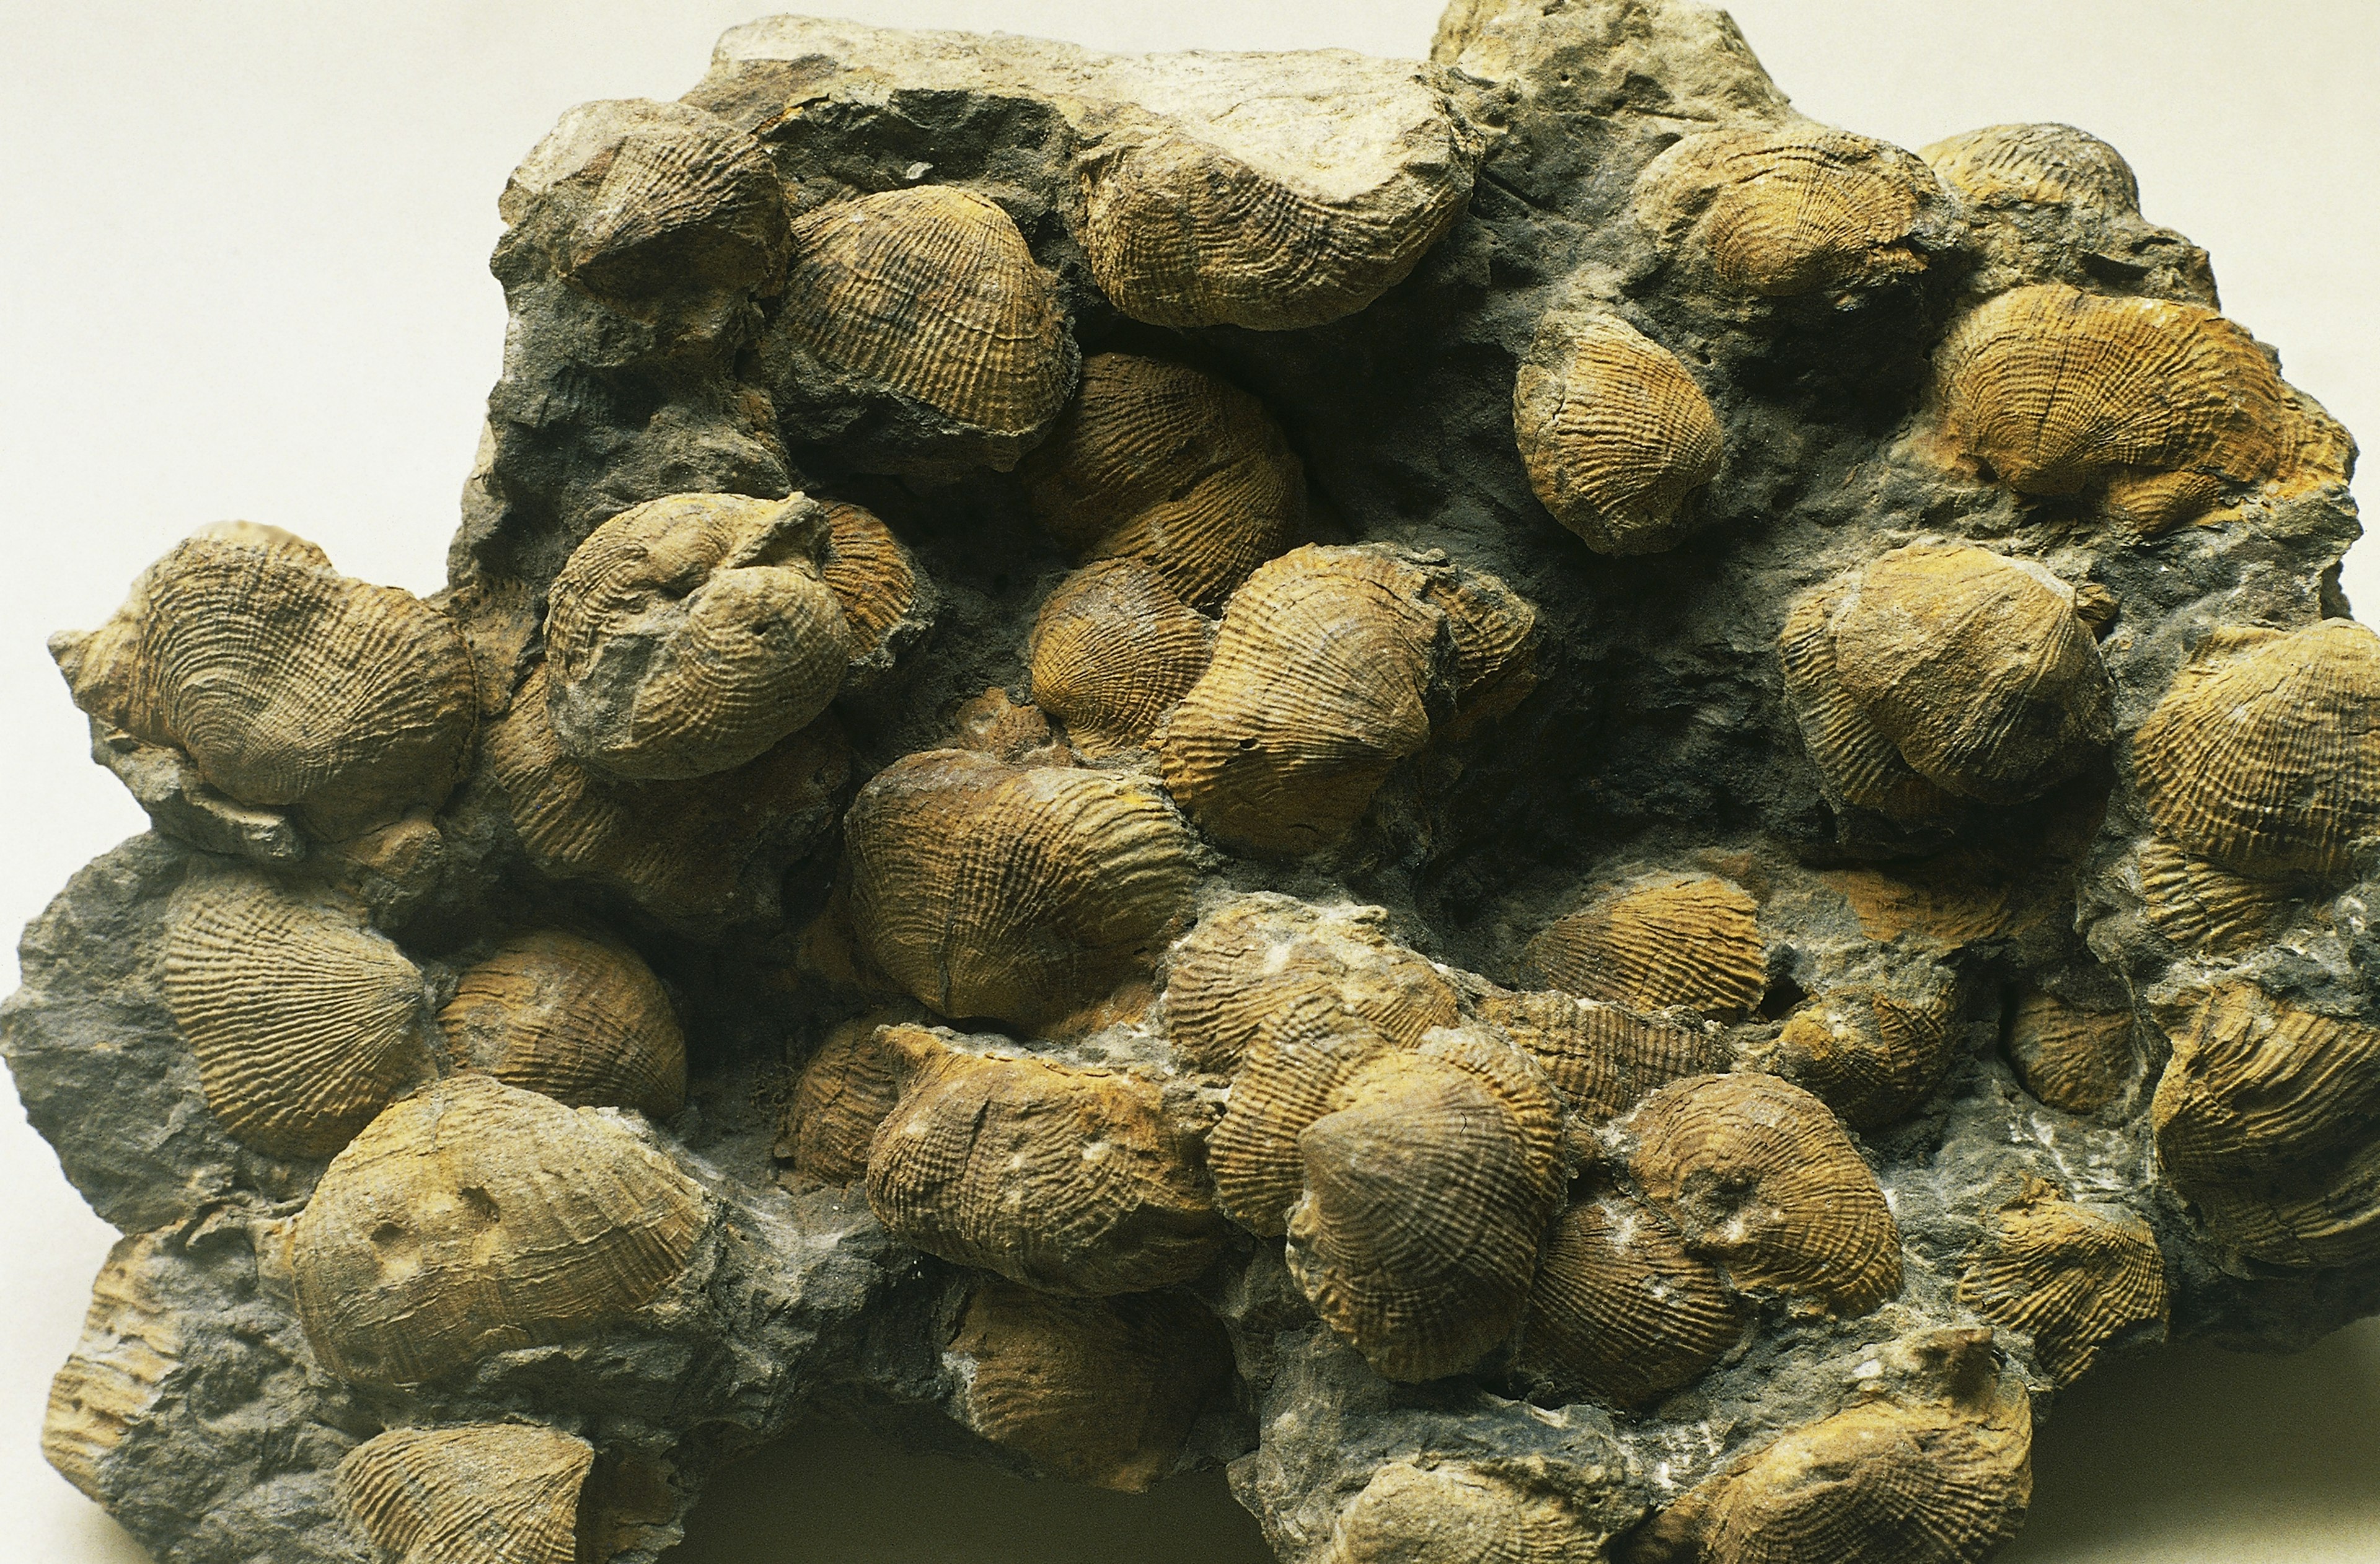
2156 409
305 1021
1331 666
690 633
2204 910
1097 1390
2071 1057
1689 940
1268 966
474 1217
1789 212
2266 761
1874 1054
1428 1182
485 1493
1758 1176
1167 464
287 684
131 1345
1457 1514
1071 1180
1620 1311
2049 165
1604 1060
887 605
1617 436
841 1096
1021 893
584 1020
1971 666
678 203
1114 650
2073 1278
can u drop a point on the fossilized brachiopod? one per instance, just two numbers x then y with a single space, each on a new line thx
1114 650
1945 667
887 605
1164 463
1620 1311
1098 1390
841 1096
1454 1513
1331 666
473 1217
1788 211
1691 941
1616 435
929 296
2203 909
1759 1177
2265 1121
2155 408
1271 968
2267 761
987 890
1062 1178
2074 1279
2050 164
1937 1475
484 1493
678 203
699 850
1428 1181
1603 1058
1873 1054
132 1344
288 686
690 633
305 1021
2070 1056
1271 204
584 1020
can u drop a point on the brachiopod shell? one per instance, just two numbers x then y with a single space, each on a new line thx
131 1343
1602 1058
2202 909
2073 1278
690 633
485 1493
841 1096
987 890
676 204
2049 165
1690 941
473 1217
887 605
1457 1514
1788 212
1114 650
1616 435
2070 1056
584 1020
1872 1053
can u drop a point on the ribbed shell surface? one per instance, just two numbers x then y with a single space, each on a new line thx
1428 1184
1883 1483
1977 668
2265 1118
841 1096
287 684
1167 464
688 635
1113 651
1180 233
132 1344
2204 910
2269 763
871 577
1604 1060
2050 164
2073 1278
474 1217
1328 670
931 293
1098 1390
1021 893
681 203
485 1493
1692 942
2069 1057
582 1020
1759 1177
306 1020
1857 762
1620 1312
1457 1514
2057 390
1070 1180
1615 433
1790 211
1268 966
693 850
1874 1056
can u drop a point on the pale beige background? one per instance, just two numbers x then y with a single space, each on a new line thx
242 273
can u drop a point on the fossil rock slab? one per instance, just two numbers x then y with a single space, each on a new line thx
1578 820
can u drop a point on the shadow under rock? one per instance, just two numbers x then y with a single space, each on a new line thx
832 1494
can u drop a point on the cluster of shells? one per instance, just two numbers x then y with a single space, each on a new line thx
1064 915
